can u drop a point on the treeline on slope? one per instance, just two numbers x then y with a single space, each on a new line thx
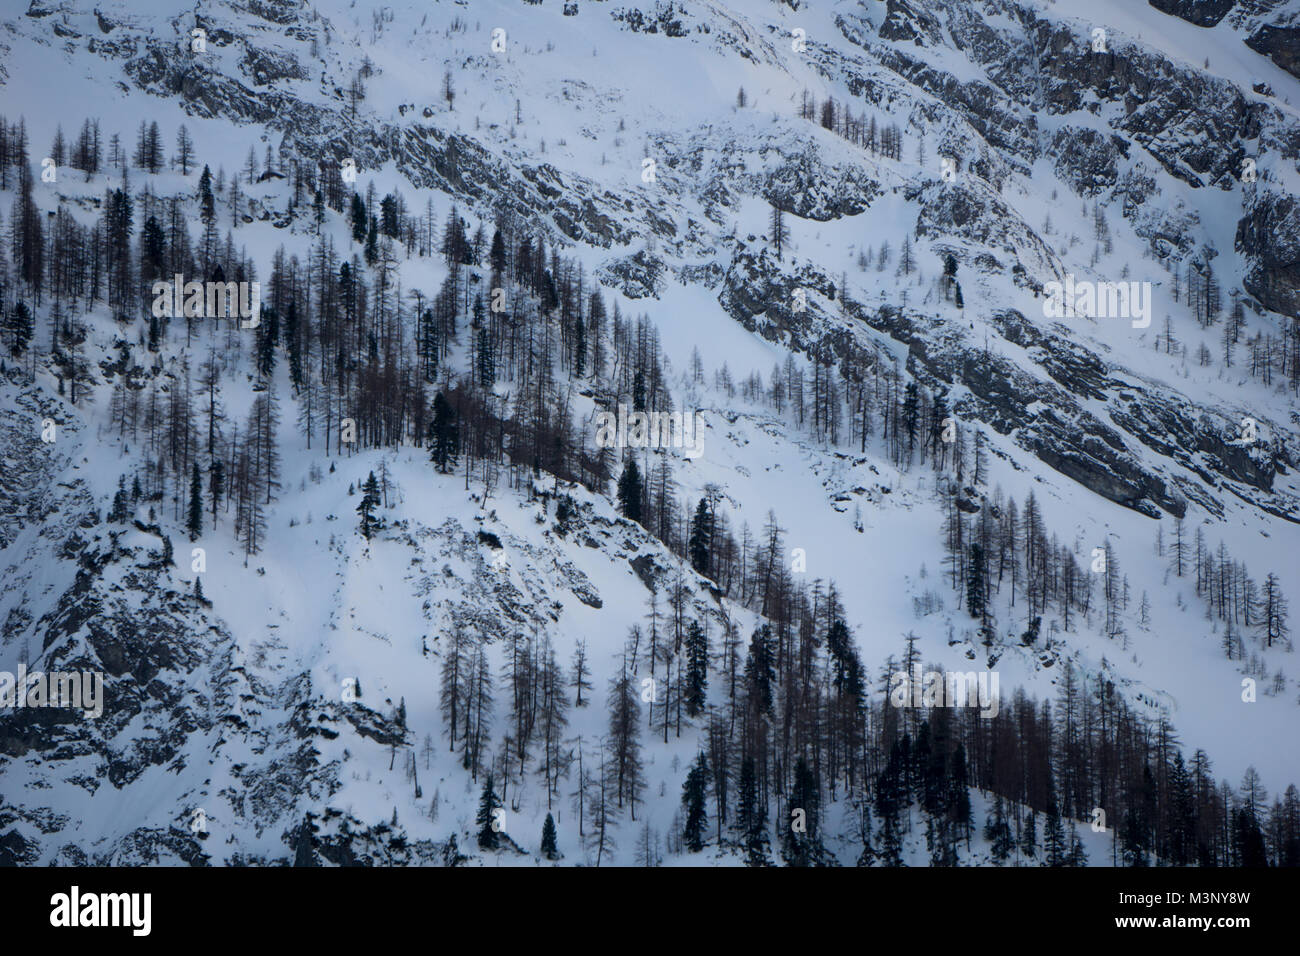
789 732
364 354
367 360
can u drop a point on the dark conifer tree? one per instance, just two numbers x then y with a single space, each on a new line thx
369 499
693 802
19 326
998 833
489 837
801 832
444 435
751 816
697 668
372 242
216 486
359 219
549 850
1131 838
194 519
630 491
760 673
701 535
1029 835
497 253
975 596
1056 851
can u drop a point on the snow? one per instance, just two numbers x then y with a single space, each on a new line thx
323 602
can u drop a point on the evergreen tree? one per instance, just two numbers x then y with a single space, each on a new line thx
152 251
975 582
216 486
801 844
1077 855
638 391
444 435
760 673
359 218
497 252
693 802
268 333
1055 849
697 668
194 519
207 203
1131 839
489 838
630 491
751 815
19 325
1029 836
120 510
486 367
998 833
579 349
369 499
702 530
548 839
891 843
372 242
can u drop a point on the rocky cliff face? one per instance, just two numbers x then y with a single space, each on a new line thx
1008 90
1269 237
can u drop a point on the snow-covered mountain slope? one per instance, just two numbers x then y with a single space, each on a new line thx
938 167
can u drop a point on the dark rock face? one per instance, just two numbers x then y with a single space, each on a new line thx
435 159
638 276
809 189
1191 122
1280 44
1203 13
1104 453
27 480
997 117
1269 235
268 66
1085 159
663 20
907 21
168 667
970 210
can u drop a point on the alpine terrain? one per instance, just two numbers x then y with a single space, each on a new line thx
633 433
